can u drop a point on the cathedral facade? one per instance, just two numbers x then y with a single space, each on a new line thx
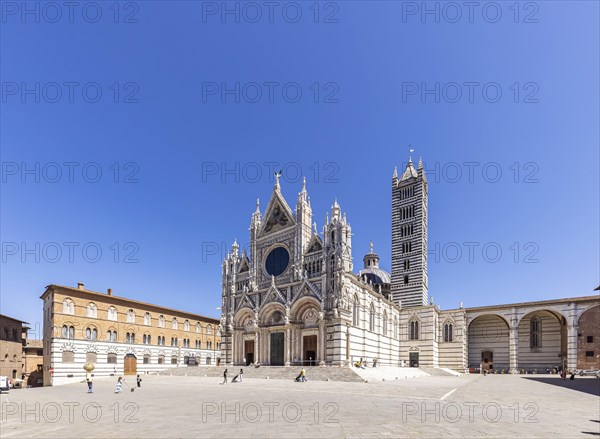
294 298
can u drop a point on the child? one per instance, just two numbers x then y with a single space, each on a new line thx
119 385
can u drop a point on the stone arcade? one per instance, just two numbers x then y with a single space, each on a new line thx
294 299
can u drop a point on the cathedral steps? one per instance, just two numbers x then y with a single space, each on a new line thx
315 373
436 371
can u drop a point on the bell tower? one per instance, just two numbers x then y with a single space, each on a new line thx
409 236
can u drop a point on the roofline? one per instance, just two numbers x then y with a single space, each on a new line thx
539 302
132 301
4 316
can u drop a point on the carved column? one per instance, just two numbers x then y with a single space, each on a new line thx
287 344
256 348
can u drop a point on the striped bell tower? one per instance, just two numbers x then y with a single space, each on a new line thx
409 237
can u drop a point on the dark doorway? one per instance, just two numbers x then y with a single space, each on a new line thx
414 359
310 350
277 349
487 361
249 351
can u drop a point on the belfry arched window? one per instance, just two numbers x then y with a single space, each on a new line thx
448 329
414 329
356 312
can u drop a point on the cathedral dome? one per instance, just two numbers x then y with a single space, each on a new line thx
372 273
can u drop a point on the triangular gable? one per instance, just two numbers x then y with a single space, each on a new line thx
273 295
307 290
245 302
244 265
278 215
315 245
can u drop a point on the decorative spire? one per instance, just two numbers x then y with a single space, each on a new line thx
315 229
371 247
257 205
303 184
395 173
420 163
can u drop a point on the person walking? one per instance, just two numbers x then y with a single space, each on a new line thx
303 375
224 377
139 381
119 385
239 375
90 383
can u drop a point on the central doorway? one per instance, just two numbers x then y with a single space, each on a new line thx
130 365
310 350
249 351
487 361
413 358
277 349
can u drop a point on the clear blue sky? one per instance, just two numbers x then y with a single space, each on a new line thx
370 68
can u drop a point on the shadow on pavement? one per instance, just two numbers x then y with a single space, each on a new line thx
586 385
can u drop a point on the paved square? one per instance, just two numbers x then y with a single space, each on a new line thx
465 406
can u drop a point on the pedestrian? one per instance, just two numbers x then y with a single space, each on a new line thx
572 377
90 384
239 375
224 377
303 375
139 381
119 385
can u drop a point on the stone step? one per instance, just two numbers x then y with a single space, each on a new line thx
315 373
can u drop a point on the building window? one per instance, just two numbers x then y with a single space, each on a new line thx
535 331
406 264
356 312
161 321
68 332
147 339
92 311
147 319
130 338
448 332
68 357
68 307
112 313
197 344
186 325
111 358
385 324
161 359
146 359
590 339
174 324
174 359
405 279
414 330
161 340
198 328
589 353
130 316
372 318
111 336
174 341
91 357
209 330
91 333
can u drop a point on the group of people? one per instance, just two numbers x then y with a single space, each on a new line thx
235 378
90 383
363 363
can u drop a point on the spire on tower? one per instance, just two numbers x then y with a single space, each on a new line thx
395 173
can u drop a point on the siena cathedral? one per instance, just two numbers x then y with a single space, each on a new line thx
294 298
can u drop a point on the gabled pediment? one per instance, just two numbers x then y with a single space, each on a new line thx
246 301
278 215
315 245
307 290
274 295
244 265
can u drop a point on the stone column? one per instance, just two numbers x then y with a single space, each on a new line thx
513 346
287 345
572 346
256 349
321 343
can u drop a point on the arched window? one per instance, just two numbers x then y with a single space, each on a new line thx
174 324
91 333
161 321
68 307
198 327
535 332
209 330
68 332
186 325
356 312
414 329
112 313
92 311
147 319
131 316
385 323
372 318
448 332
